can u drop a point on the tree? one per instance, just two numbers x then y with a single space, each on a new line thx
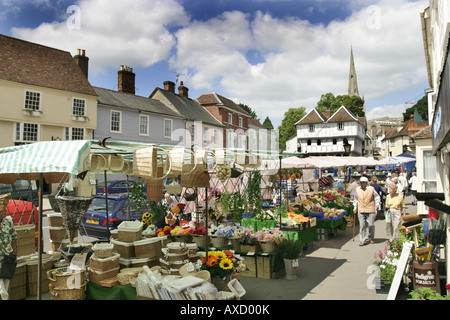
249 110
422 109
268 124
354 104
287 128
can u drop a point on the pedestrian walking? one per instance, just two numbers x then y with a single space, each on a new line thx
366 204
351 188
395 205
388 180
413 184
8 248
402 180
398 184
374 183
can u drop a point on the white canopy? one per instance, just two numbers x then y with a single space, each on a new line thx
396 160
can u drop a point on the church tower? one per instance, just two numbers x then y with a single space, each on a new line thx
352 81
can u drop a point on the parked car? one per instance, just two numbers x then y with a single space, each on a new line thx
94 221
25 190
118 186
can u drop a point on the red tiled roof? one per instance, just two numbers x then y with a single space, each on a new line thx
214 98
30 63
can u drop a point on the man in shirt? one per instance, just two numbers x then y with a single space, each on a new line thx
8 238
366 204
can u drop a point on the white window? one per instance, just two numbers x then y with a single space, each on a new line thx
216 135
78 107
340 126
311 128
116 121
429 172
27 132
230 118
74 134
32 100
240 122
144 125
167 128
205 135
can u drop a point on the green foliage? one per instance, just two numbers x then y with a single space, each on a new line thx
249 110
287 128
422 109
137 194
426 294
290 249
267 124
253 193
354 104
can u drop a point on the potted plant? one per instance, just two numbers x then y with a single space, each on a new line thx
386 265
247 242
290 250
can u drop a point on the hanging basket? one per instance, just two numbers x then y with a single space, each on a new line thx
29 176
176 156
97 162
235 172
147 161
56 177
173 188
155 188
8 178
73 210
199 178
115 162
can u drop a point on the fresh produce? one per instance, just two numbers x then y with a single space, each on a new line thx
223 172
298 217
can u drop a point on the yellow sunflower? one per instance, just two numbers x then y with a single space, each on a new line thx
220 255
226 264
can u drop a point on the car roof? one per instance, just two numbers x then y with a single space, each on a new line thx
116 196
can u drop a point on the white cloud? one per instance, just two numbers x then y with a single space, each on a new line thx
134 33
392 111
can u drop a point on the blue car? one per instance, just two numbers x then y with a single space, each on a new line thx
120 208
118 186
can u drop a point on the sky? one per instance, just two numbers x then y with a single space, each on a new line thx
271 55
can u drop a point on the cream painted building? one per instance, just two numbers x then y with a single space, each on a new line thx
44 94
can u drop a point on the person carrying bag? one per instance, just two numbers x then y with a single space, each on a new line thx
8 248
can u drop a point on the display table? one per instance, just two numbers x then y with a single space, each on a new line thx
340 224
262 264
305 235
95 291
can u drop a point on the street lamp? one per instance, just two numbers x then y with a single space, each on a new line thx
347 148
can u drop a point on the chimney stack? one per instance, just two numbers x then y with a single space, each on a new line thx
82 61
182 90
126 80
169 86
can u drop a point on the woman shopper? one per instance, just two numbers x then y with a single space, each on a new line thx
8 248
413 184
395 205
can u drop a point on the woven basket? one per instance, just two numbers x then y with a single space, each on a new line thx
235 243
219 241
173 188
177 160
200 240
204 274
147 248
67 294
103 250
102 264
268 246
8 178
56 177
147 161
57 233
55 220
115 162
29 176
63 278
97 162
155 189
97 276
199 178
174 256
177 247
72 211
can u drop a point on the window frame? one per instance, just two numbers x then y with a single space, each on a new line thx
21 139
165 128
311 128
25 100
84 107
230 118
68 133
111 121
141 116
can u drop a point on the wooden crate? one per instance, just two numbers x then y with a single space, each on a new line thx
250 263
264 267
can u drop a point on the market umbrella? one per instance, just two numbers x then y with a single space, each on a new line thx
396 160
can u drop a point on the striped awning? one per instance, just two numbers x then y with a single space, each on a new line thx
45 156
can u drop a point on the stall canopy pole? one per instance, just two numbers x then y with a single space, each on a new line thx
106 207
41 206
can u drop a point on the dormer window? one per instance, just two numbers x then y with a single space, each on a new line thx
340 126
311 128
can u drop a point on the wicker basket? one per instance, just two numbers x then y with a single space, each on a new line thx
18 285
55 219
8 178
97 276
147 248
73 210
235 243
56 177
29 176
146 164
174 256
247 248
155 189
63 278
97 162
173 188
190 196
177 160
199 178
219 241
268 246
200 240
177 247
125 249
204 274
186 238
57 233
67 294
102 264
103 250
130 231
115 162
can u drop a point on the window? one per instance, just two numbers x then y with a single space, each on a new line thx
429 172
230 118
308 142
192 131
340 126
205 135
167 128
143 125
116 121
27 132
216 135
334 141
74 134
240 122
32 100
78 107
319 142
311 128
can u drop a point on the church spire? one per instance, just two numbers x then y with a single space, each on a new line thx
352 81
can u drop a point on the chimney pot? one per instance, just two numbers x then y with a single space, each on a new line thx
126 80
83 52
182 90
169 86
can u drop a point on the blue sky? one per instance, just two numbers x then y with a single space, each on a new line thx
269 54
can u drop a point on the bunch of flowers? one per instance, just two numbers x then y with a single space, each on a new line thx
387 261
178 231
177 208
222 263
214 215
246 236
214 192
164 231
222 230
274 234
197 230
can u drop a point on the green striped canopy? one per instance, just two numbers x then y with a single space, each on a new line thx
45 156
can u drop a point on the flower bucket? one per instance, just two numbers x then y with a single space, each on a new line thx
200 240
291 266
73 210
